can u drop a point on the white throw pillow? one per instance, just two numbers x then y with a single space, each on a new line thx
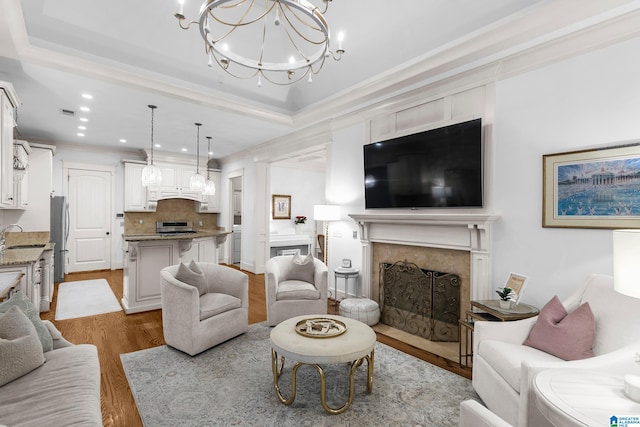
192 275
20 347
302 268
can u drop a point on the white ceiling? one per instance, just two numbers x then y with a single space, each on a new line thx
129 54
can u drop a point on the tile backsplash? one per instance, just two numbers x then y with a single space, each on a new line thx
169 210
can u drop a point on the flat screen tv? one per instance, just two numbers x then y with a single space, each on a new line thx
438 168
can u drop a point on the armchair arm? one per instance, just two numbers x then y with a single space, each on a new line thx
271 278
321 278
180 302
514 332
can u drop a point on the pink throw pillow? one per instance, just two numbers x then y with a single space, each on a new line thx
569 336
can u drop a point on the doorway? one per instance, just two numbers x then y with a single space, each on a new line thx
90 198
236 191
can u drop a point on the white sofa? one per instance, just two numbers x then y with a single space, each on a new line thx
503 368
64 390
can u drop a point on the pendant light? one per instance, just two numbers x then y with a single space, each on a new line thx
209 186
196 182
151 174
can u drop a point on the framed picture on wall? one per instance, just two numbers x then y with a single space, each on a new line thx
598 188
280 206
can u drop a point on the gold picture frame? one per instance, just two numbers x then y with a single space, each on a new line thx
280 206
596 188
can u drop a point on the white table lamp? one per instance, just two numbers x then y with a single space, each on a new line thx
626 274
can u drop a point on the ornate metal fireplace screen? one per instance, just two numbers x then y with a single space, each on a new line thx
421 302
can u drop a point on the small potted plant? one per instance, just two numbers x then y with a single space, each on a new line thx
299 223
505 295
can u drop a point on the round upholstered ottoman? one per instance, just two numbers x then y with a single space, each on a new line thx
362 309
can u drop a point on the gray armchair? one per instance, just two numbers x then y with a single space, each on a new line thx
194 323
289 293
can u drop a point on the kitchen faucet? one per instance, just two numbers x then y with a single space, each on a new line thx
2 245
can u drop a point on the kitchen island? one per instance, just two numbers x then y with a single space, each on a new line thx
146 254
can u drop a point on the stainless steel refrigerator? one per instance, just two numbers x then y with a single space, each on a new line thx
59 234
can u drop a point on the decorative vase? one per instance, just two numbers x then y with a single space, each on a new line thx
299 228
505 304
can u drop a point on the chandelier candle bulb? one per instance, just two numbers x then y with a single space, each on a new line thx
181 10
340 39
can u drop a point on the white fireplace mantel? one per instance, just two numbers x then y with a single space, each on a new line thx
460 231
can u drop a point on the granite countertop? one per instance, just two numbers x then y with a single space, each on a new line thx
185 236
23 256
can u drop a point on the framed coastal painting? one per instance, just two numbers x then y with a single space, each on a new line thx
598 188
280 206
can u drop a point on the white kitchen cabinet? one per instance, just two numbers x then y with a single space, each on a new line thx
135 194
175 183
8 102
143 261
29 283
21 151
202 249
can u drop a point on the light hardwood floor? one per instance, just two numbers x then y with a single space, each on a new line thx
117 333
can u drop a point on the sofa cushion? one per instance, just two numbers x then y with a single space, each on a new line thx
296 289
213 303
302 268
506 358
192 275
617 320
63 391
20 300
20 347
569 336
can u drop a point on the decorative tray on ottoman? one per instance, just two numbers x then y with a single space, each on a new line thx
320 327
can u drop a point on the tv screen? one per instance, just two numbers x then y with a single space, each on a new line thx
438 168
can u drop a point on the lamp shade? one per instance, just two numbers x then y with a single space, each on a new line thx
626 262
326 212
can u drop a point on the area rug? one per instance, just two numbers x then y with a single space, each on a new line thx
232 384
85 298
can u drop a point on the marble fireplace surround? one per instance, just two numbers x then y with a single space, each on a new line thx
471 233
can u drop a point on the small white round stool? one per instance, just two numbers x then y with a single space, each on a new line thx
362 309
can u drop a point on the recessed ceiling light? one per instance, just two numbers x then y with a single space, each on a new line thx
87 96
85 109
82 127
123 140
84 119
184 149
157 145
80 134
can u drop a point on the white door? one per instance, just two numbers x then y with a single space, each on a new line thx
89 244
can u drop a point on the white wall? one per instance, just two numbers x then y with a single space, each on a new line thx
587 101
306 188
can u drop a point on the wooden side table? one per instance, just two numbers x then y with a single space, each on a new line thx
488 310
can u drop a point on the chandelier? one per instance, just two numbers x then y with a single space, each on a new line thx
282 41
151 174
